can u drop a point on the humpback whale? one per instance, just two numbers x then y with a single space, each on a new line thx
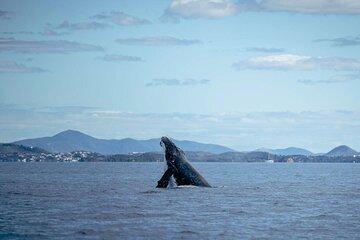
179 167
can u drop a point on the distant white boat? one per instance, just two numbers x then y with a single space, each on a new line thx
269 160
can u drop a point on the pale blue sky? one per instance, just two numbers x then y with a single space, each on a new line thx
219 62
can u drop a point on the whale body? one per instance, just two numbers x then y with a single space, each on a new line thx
179 167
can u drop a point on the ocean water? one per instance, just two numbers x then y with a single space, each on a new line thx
120 201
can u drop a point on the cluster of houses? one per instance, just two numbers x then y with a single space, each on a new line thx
76 156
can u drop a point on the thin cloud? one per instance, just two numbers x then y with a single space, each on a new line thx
6 15
6 38
60 46
120 18
98 22
120 58
64 109
13 67
342 42
311 6
18 32
50 32
176 82
298 62
215 9
158 41
46 32
265 50
333 79
78 26
210 9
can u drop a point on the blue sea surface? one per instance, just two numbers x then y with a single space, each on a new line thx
120 201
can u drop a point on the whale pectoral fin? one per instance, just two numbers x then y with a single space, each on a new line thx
164 181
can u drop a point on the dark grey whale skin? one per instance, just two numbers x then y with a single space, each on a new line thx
179 167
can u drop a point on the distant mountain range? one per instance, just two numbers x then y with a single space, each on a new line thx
286 151
342 150
17 153
71 140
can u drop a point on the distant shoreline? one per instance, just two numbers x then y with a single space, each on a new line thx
26 154
74 146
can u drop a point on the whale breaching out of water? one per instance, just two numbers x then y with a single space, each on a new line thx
179 167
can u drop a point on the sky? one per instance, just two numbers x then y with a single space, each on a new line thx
246 74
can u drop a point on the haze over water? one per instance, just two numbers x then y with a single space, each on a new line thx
119 200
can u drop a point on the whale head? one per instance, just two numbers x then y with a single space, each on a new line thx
172 153
168 145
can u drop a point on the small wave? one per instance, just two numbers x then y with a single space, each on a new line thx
158 190
85 232
150 192
186 186
147 215
322 216
189 232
